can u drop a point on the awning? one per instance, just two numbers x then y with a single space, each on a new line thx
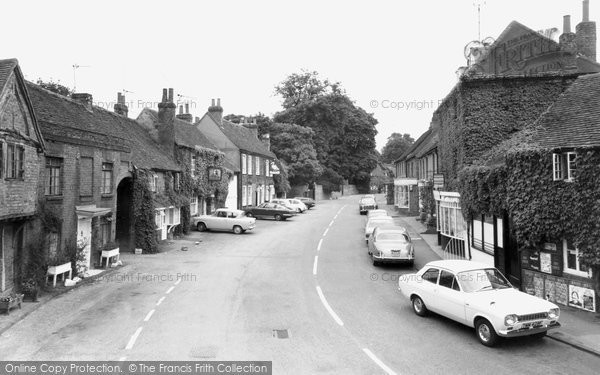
91 211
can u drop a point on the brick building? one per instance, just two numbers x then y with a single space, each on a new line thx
21 154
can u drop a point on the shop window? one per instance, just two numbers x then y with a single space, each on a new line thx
572 263
564 166
53 184
451 222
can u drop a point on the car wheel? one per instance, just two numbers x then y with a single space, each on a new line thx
419 306
201 227
485 332
238 230
249 214
298 210
278 217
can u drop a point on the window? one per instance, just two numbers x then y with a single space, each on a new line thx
571 260
193 166
105 229
431 275
257 169
176 181
448 280
1 159
244 197
52 239
153 182
194 206
244 169
107 175
15 155
249 164
564 166
250 200
267 168
53 176
158 218
450 221
86 174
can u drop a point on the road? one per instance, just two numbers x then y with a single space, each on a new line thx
264 295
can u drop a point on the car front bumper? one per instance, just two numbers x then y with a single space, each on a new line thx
529 331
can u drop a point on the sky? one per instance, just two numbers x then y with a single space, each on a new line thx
396 59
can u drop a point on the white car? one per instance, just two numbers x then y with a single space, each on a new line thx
377 221
478 296
224 219
373 213
295 204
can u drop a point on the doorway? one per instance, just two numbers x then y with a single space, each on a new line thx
124 227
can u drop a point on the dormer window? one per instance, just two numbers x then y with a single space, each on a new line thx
564 166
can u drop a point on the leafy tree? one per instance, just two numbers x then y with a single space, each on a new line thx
305 87
55 87
293 144
280 180
264 122
344 136
397 144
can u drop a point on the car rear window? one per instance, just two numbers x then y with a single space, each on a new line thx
392 237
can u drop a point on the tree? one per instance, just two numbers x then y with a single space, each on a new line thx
293 144
304 87
264 122
344 135
397 144
55 87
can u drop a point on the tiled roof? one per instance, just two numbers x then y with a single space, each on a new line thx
58 115
6 68
245 139
186 134
412 150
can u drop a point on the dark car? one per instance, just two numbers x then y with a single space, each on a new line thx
310 203
269 210
367 204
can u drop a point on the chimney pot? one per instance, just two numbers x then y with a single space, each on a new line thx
586 11
181 110
170 95
164 96
187 108
566 24
213 103
218 102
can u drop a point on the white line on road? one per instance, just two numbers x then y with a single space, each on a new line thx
178 281
335 217
149 315
160 301
325 233
170 290
388 370
319 245
315 265
331 223
329 309
133 338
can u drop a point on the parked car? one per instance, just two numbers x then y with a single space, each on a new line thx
224 219
366 204
295 204
391 245
478 296
369 196
377 221
373 213
270 210
309 202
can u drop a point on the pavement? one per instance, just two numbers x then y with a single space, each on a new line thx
580 329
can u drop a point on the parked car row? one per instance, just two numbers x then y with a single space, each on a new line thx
240 221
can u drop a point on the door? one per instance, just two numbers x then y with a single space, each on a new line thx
84 235
163 225
428 287
450 299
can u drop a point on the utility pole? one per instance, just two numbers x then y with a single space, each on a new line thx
75 67
479 4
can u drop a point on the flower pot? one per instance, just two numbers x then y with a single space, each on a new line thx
15 301
31 295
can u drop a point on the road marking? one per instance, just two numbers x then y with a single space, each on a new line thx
325 233
388 370
160 301
133 338
319 245
315 265
149 315
178 281
331 223
329 309
170 290
335 217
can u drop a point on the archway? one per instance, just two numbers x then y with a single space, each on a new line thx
124 231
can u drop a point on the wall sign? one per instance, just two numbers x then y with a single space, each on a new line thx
214 174
582 298
438 181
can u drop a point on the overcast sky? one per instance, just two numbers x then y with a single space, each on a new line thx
382 52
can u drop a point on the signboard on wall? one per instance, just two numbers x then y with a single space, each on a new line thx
582 298
214 174
438 181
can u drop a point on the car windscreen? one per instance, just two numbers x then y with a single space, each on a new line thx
392 237
483 279
367 201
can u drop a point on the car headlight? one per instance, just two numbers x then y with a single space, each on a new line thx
510 320
554 313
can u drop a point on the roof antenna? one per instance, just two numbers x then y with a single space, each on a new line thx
479 4
75 67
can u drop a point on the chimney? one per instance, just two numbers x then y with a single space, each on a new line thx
166 118
120 106
252 126
216 111
83 98
185 116
567 38
586 34
266 139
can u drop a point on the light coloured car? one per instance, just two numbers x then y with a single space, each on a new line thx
224 219
295 204
377 221
478 296
378 212
366 204
391 245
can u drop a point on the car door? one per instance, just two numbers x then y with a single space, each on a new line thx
427 286
450 300
220 221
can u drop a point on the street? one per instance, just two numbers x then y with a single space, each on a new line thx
264 295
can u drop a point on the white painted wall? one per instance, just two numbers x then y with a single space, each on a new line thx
232 197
